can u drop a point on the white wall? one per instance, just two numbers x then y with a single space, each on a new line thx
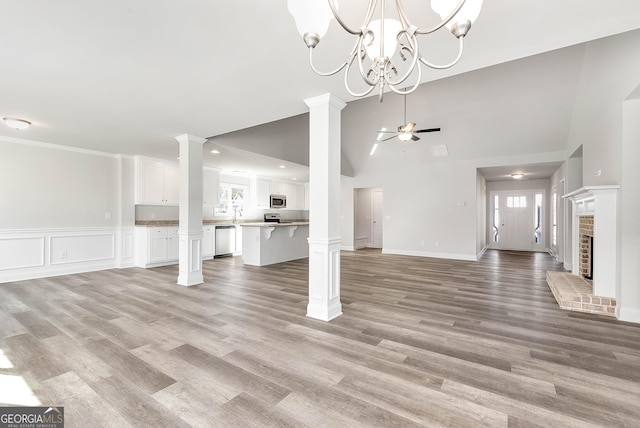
434 204
610 73
45 186
347 208
628 288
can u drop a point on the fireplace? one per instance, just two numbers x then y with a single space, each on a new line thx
585 243
594 239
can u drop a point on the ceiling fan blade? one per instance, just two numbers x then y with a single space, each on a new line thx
414 137
409 126
386 132
428 130
389 138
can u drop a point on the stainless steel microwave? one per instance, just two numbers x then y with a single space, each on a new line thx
278 201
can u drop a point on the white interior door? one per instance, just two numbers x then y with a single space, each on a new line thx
376 202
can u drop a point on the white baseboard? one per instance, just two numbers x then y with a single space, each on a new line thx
628 314
467 257
568 266
347 248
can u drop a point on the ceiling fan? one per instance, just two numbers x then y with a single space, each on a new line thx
407 131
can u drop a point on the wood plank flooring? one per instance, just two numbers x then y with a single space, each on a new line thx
422 342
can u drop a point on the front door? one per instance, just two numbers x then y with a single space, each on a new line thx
516 220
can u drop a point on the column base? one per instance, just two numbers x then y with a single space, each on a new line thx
324 279
321 312
190 264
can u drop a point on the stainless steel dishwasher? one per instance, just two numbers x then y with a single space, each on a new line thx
225 240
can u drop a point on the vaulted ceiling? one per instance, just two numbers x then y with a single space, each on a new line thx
127 77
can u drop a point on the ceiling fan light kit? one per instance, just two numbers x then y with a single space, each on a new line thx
14 123
385 42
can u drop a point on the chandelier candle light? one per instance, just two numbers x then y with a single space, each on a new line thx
383 40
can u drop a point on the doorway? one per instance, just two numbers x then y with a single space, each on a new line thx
368 217
517 220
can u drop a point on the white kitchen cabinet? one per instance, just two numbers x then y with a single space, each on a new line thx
157 182
238 249
210 187
208 241
157 246
262 193
277 188
295 196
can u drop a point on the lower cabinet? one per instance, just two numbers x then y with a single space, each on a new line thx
157 246
208 242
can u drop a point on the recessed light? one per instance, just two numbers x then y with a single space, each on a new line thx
282 167
215 152
294 179
517 176
14 123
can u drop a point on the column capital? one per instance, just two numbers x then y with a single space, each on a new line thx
190 138
325 99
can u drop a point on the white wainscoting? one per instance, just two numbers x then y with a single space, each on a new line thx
40 253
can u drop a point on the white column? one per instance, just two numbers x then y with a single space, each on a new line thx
324 207
190 226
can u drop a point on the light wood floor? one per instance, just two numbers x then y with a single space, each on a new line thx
422 342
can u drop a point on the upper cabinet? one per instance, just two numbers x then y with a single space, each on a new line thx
262 192
157 182
210 185
295 196
263 188
278 188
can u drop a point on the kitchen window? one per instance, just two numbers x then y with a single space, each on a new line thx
231 200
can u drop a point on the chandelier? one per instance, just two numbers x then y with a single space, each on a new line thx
382 43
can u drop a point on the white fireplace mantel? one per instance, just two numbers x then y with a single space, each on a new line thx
601 203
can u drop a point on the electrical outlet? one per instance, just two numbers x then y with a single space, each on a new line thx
437 243
64 254
107 215
422 242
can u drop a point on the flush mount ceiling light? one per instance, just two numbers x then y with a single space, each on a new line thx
517 176
14 123
215 152
387 43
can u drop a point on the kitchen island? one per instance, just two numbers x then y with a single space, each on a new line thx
268 243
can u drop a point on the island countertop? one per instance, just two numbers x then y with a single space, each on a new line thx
274 224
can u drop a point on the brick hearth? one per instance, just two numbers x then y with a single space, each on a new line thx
574 293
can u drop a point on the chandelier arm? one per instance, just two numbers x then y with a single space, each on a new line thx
323 73
346 82
451 64
336 15
442 23
360 57
415 54
392 86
